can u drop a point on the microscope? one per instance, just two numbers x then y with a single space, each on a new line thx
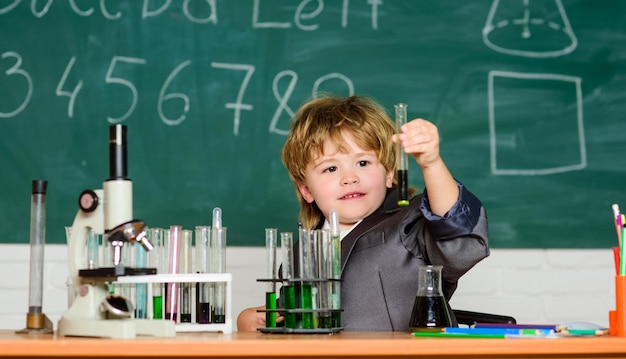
95 312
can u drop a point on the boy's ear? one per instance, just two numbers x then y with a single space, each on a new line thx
306 194
389 178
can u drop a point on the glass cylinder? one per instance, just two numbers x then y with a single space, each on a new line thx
37 243
430 310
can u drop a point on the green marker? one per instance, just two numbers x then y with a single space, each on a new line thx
457 335
402 162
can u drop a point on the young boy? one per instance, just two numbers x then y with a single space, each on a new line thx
340 155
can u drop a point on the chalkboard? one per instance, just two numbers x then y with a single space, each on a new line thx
529 97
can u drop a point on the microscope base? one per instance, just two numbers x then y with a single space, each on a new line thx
115 328
85 318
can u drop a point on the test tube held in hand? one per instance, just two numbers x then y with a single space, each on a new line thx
171 299
218 263
203 306
402 162
272 276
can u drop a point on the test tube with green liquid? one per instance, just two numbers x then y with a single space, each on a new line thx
203 306
288 290
402 162
157 260
272 275
305 261
335 235
185 267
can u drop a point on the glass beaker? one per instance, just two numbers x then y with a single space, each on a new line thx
430 310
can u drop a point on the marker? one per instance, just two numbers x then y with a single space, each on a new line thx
457 335
500 331
602 331
622 255
402 162
554 327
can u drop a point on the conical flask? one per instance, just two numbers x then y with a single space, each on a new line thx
430 311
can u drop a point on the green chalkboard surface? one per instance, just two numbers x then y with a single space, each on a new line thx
529 97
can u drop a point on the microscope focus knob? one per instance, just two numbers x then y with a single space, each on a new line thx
88 200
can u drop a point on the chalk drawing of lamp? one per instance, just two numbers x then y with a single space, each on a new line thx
529 28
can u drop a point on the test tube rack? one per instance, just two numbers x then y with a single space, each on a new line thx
298 311
226 327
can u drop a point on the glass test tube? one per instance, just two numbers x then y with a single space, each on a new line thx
335 234
185 267
304 267
141 289
272 276
289 290
402 162
218 265
157 260
37 242
203 290
324 271
171 298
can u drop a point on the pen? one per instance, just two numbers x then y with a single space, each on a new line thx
402 165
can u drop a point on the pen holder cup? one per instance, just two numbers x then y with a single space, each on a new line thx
620 306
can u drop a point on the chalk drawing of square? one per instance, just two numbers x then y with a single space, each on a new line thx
535 123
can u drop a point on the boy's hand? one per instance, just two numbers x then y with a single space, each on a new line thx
250 319
420 139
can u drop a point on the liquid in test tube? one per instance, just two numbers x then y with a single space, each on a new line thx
203 306
288 289
272 275
171 299
218 264
185 267
402 162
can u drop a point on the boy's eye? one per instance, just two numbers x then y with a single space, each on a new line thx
331 169
362 163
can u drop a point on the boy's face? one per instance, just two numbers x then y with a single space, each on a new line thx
354 183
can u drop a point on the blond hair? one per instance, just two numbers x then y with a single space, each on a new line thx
325 118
